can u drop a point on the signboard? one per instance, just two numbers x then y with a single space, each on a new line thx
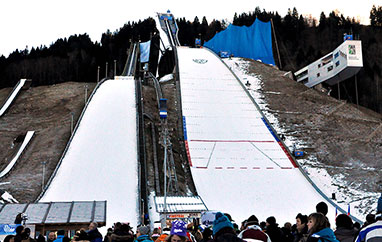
208 217
6 229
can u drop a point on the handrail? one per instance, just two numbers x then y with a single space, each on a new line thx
70 140
286 147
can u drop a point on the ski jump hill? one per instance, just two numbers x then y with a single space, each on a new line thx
238 164
100 160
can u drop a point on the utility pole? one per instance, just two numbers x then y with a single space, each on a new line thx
115 67
98 69
72 122
356 90
86 93
43 175
106 74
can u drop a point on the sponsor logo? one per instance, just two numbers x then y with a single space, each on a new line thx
200 61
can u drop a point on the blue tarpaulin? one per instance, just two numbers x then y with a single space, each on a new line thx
254 42
8 228
145 51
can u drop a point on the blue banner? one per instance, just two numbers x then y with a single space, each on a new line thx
6 229
145 51
253 42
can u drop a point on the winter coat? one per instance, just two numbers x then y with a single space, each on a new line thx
287 235
94 235
379 206
301 236
122 237
162 238
59 238
255 233
324 235
371 233
227 237
275 233
143 238
345 235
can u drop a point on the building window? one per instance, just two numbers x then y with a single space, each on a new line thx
337 63
319 65
330 68
336 55
318 74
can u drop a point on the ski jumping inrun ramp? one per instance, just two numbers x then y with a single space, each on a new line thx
101 161
237 164
12 96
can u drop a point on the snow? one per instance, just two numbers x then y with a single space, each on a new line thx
10 99
26 141
101 161
361 203
237 165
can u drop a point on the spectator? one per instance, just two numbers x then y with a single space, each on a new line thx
122 233
40 238
178 232
164 235
273 230
287 232
156 234
345 231
322 207
379 206
372 232
9 238
207 235
26 235
107 237
319 230
222 229
94 235
60 236
143 234
19 231
301 234
253 231
51 237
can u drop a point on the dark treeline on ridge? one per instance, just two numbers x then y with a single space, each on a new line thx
301 40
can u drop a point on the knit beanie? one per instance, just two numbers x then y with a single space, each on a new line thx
143 230
221 221
179 228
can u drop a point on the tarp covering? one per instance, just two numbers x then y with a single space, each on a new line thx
254 42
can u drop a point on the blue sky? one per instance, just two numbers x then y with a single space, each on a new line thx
41 22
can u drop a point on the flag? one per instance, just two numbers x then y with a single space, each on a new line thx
349 209
336 212
145 51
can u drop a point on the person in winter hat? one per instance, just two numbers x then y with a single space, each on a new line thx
94 235
253 232
222 229
372 232
178 232
319 231
273 230
143 234
379 206
345 231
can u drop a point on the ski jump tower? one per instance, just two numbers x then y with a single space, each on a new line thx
344 62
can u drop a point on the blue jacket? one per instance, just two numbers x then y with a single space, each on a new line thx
59 238
379 206
143 238
325 235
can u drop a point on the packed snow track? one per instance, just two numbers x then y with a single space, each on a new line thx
101 160
237 163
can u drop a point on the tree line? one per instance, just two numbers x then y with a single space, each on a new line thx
301 40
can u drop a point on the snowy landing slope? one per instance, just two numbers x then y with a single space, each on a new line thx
101 162
238 166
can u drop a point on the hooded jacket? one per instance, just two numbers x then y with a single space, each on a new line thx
254 233
345 235
324 235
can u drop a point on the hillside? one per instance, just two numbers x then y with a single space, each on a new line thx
338 139
342 144
47 110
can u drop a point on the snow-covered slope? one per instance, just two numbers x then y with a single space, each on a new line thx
12 96
237 164
101 161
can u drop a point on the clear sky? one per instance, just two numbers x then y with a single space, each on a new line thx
40 22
